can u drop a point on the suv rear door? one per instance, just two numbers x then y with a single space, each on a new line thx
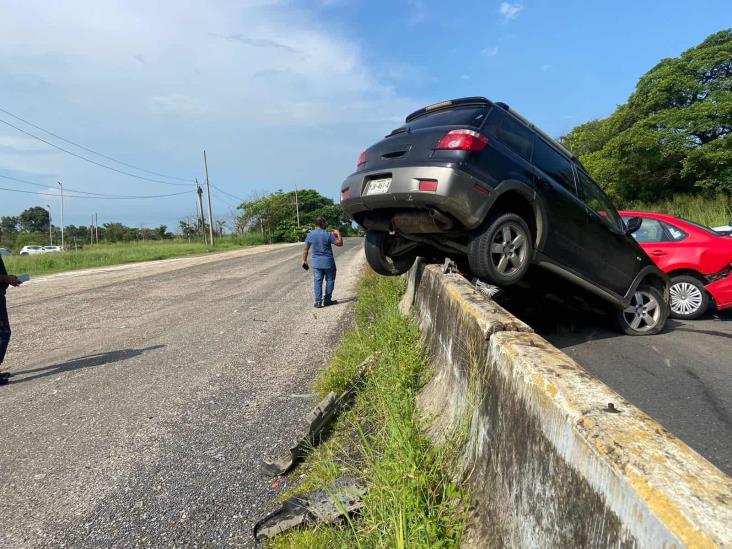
566 215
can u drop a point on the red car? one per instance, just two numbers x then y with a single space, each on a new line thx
697 259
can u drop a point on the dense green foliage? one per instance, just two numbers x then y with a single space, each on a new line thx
712 211
674 135
31 227
275 215
411 500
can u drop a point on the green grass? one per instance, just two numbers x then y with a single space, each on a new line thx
118 253
710 211
411 499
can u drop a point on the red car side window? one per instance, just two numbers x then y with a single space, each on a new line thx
675 233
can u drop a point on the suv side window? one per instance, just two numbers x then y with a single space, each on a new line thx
517 136
554 165
512 133
651 231
598 202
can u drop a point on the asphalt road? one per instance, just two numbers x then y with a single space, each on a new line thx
681 377
145 396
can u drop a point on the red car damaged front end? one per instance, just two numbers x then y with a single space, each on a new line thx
721 290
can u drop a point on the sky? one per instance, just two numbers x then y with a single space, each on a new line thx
286 93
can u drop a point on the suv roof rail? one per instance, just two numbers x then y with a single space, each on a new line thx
447 104
541 132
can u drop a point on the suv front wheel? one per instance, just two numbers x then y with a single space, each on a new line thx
500 253
646 313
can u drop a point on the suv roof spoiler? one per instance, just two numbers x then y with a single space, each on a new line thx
541 132
447 104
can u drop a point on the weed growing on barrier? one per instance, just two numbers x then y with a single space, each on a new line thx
412 500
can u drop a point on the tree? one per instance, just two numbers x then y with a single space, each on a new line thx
275 215
8 225
673 135
34 220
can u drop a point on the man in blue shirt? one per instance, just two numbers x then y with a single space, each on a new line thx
5 281
321 242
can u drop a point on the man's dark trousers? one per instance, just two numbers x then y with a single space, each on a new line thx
4 328
318 276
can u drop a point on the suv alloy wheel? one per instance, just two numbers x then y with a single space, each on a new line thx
646 314
501 252
689 299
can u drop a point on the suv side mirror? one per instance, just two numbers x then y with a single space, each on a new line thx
633 224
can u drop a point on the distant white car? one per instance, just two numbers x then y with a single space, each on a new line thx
724 229
5 251
32 250
52 249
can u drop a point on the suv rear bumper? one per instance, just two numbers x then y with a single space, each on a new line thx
458 193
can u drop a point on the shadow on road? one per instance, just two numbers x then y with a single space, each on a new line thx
88 361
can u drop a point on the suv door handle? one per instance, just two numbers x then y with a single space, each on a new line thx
658 252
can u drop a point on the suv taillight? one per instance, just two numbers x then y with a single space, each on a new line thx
462 140
362 159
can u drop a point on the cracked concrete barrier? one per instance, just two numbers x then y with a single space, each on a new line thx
555 458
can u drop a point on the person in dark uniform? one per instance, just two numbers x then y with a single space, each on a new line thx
321 242
5 281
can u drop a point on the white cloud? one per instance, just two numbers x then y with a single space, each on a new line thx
175 103
21 144
509 11
489 52
153 83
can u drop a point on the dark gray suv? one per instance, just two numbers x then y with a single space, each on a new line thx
474 180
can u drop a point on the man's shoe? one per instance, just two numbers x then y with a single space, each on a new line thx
318 305
331 302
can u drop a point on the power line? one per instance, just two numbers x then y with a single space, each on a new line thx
89 159
228 193
91 150
97 197
226 200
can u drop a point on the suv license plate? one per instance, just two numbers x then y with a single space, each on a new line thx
378 186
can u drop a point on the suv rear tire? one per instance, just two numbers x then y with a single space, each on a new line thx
646 314
375 246
500 253
689 299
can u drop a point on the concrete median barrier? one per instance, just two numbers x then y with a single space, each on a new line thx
554 458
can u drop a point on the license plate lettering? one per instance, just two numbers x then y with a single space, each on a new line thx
378 186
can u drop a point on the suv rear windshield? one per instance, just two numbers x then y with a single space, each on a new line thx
459 116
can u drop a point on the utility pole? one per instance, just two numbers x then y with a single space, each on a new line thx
96 227
50 230
91 231
210 212
201 217
62 213
297 208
